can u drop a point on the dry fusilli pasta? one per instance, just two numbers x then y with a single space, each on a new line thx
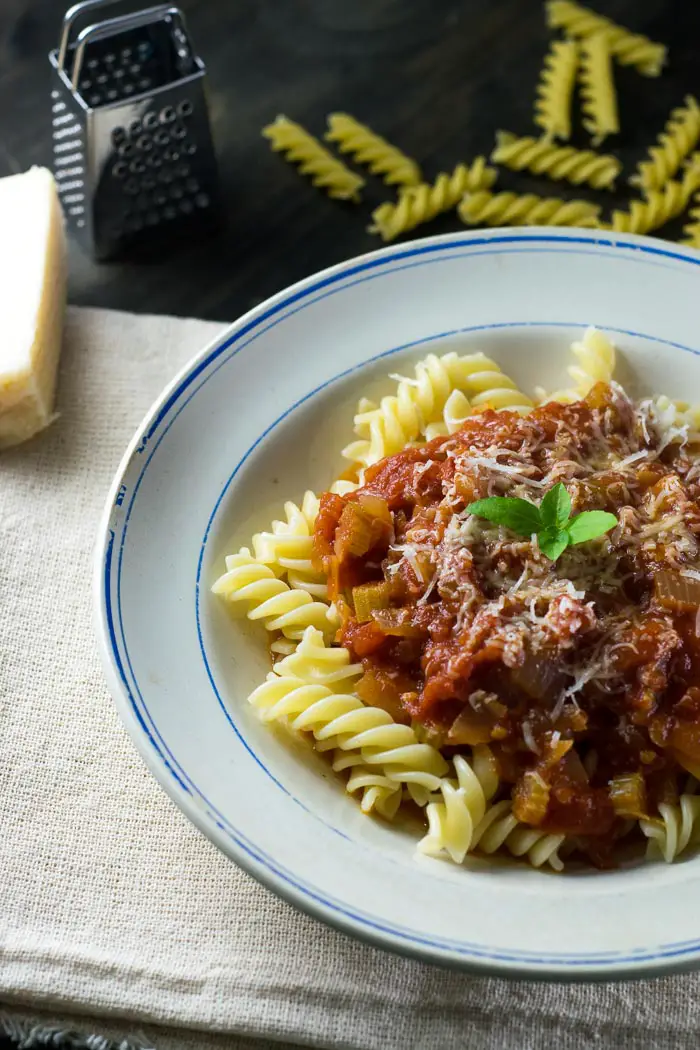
691 231
271 600
313 159
371 149
598 96
674 830
513 209
420 204
660 206
543 157
555 88
675 142
629 49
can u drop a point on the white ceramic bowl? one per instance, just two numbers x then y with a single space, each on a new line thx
258 417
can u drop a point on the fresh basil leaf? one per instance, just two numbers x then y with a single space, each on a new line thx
555 508
516 514
553 541
589 525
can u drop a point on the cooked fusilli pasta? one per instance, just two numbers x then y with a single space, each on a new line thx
513 209
544 157
674 830
629 49
420 204
457 409
313 159
269 599
555 88
317 663
675 142
598 95
287 548
453 821
366 147
660 206
342 721
499 828
421 401
594 362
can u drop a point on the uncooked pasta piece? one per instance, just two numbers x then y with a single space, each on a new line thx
513 209
555 89
313 159
366 147
420 204
659 206
598 95
544 157
675 142
629 49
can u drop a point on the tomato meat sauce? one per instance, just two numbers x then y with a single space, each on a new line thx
582 675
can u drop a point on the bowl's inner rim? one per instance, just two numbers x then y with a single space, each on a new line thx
162 419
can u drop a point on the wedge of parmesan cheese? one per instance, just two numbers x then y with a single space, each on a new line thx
32 302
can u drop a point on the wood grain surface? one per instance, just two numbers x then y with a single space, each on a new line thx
436 77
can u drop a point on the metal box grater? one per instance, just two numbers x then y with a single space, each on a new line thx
132 150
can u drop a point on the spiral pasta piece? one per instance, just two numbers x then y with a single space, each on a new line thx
598 95
420 402
543 157
288 547
420 204
594 360
512 209
342 721
676 828
456 411
499 828
660 206
316 662
675 142
313 159
691 231
366 147
271 600
453 821
378 791
629 49
555 88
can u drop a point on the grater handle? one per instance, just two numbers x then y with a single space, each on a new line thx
70 18
114 25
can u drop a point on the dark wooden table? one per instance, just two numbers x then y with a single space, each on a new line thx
435 76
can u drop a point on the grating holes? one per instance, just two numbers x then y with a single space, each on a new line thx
179 132
176 191
165 176
94 100
120 169
159 197
167 115
150 121
191 185
148 182
92 63
135 128
184 108
110 58
161 138
126 54
112 94
142 200
186 206
169 212
132 187
145 83
85 84
137 167
145 50
128 89
126 149
101 80
135 69
190 149
144 143
182 171
134 223
118 136
151 217
202 200
118 74
154 160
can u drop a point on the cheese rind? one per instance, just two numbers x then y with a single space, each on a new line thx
33 271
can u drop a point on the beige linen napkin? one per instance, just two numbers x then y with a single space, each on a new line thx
113 909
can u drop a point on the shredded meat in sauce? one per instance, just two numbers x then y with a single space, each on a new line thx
582 675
